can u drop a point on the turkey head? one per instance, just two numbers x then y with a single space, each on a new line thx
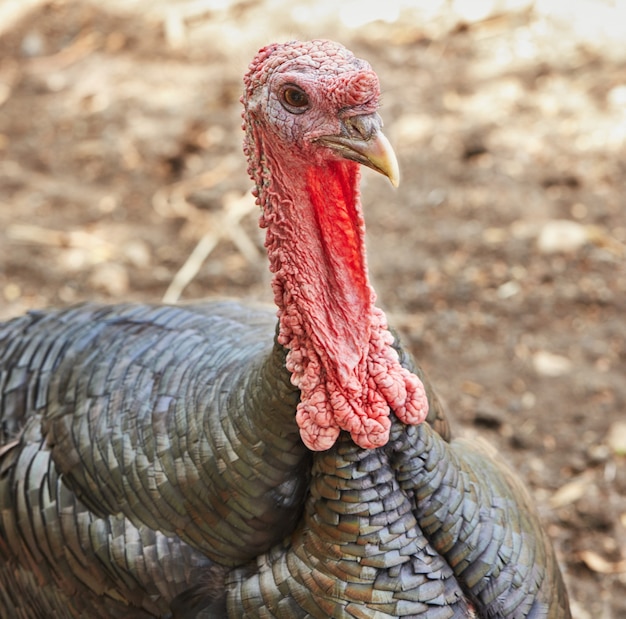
310 119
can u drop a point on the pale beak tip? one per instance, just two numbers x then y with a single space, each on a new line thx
383 158
394 178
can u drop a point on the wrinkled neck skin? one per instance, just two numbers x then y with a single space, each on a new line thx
340 354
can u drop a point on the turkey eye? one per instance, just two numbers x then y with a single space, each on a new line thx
295 99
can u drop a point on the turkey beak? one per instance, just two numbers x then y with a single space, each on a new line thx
362 140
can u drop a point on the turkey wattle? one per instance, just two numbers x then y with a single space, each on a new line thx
200 461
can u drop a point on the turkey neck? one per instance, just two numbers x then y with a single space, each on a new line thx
315 243
263 466
316 248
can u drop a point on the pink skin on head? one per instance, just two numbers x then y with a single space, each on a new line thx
340 351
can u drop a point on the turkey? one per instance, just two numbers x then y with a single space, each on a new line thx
208 460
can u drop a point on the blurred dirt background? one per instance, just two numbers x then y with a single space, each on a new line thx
501 257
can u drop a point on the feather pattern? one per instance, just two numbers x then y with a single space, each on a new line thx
154 462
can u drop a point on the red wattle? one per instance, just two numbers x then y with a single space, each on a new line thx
332 193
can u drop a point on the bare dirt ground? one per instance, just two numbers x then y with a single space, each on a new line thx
501 257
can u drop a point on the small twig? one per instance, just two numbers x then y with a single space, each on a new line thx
236 209
189 270
226 225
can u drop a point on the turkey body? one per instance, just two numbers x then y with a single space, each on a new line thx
219 460
417 528
123 453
